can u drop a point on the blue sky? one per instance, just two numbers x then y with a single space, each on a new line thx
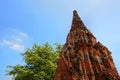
25 22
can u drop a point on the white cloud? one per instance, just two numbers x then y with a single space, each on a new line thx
22 34
6 42
19 40
17 47
16 41
13 45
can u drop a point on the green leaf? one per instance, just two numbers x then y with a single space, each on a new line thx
41 63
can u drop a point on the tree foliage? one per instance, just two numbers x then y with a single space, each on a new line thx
40 63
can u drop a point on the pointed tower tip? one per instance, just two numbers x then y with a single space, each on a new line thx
78 25
75 14
74 11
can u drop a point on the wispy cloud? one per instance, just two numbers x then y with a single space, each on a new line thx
13 45
16 42
6 42
19 40
22 34
17 46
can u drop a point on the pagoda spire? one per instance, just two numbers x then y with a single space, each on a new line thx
77 22
83 58
79 31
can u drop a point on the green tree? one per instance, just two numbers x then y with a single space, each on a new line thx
40 63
